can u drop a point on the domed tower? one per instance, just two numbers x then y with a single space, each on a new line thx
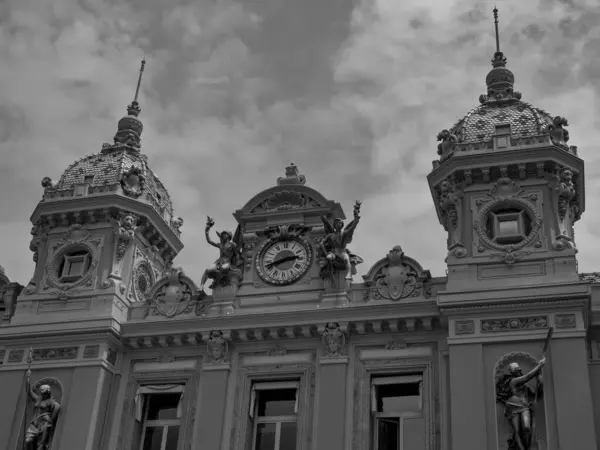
508 189
104 230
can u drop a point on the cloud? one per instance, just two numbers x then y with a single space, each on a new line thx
353 92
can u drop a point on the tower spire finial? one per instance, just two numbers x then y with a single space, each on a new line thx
496 25
134 109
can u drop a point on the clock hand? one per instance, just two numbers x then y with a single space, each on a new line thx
279 261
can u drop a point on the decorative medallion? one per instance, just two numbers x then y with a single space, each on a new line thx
284 257
172 295
133 182
396 277
143 280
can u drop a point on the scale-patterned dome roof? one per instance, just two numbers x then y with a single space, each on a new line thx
480 123
120 168
108 168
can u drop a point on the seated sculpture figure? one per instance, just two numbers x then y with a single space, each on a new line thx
230 258
518 399
41 428
334 256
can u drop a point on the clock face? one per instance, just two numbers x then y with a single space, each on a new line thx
283 261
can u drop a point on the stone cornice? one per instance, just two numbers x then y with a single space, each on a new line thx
498 297
108 201
286 318
57 331
511 156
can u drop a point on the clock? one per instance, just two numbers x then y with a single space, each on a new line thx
283 261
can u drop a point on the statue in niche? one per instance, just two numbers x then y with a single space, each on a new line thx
334 256
217 347
230 257
519 399
40 431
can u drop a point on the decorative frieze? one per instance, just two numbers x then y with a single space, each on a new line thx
277 350
55 353
514 324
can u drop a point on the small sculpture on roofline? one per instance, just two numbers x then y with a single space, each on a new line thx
230 262
334 256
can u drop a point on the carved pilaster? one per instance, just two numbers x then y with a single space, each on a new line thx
451 202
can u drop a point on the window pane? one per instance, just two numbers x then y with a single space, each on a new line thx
398 398
172 438
508 228
287 438
265 436
162 406
388 434
153 438
76 266
276 402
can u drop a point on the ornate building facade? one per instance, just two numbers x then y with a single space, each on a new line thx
112 347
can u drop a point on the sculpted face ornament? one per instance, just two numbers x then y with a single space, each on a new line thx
217 347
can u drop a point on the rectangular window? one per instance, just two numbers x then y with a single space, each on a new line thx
397 410
158 409
74 267
274 413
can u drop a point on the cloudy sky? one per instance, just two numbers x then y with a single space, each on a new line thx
353 91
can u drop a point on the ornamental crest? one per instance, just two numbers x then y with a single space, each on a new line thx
133 182
396 277
173 294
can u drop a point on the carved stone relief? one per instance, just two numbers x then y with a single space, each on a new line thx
91 351
277 350
124 228
396 277
217 348
513 324
133 182
55 353
451 197
172 295
565 206
334 340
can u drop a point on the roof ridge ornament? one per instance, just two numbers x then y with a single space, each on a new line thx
292 176
129 128
499 80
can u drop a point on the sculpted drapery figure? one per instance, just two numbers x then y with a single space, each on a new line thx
519 398
334 254
38 435
230 257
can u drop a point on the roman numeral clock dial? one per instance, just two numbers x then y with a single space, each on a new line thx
283 262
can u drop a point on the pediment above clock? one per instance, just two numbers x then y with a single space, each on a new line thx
288 198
